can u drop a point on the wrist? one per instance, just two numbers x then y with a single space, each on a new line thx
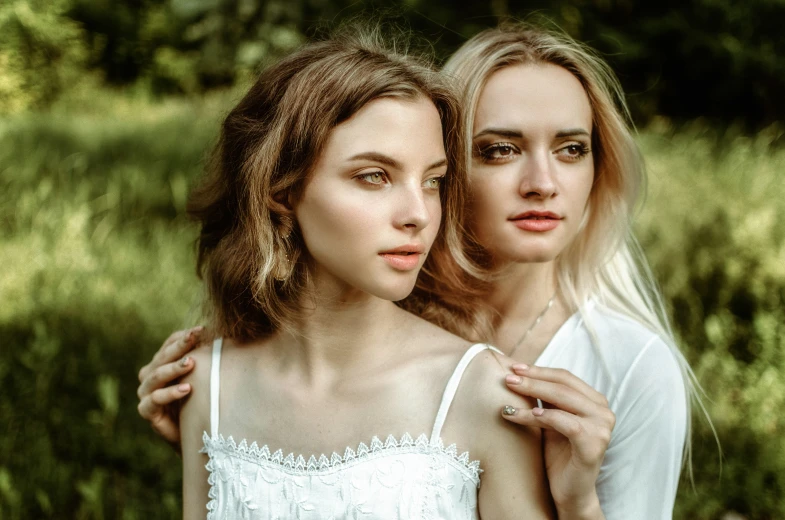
585 509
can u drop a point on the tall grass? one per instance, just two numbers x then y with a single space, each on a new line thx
97 268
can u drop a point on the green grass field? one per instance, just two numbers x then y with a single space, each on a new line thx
97 269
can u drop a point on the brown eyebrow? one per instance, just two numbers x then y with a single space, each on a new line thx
389 161
501 132
376 157
572 132
514 134
437 164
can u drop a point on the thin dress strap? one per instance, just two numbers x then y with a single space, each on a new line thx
215 382
452 387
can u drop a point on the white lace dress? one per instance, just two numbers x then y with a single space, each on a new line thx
407 478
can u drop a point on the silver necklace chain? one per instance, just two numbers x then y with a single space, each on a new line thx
538 320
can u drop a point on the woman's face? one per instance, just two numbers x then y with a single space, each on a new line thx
371 208
532 168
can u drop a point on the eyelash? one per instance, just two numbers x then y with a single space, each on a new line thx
363 179
582 149
439 180
486 153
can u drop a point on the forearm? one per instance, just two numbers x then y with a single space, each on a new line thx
587 509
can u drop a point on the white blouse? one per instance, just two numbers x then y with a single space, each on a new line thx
639 375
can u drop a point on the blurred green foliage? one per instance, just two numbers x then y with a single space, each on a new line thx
682 59
714 232
42 53
98 269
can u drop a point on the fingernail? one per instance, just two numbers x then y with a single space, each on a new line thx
509 410
183 387
512 380
537 411
184 362
520 367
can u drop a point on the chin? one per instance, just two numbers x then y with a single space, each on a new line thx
532 256
396 291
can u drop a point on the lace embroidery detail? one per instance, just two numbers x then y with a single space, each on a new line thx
299 465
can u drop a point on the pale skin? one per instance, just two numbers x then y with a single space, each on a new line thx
348 372
532 136
532 141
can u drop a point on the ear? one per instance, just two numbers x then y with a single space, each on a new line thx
281 204
282 213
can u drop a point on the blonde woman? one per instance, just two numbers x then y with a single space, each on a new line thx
554 177
336 179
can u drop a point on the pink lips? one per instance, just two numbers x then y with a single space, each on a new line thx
404 258
537 221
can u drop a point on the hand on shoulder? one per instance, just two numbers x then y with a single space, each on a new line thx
513 482
160 388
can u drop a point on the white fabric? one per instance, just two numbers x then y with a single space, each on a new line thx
402 478
452 387
639 375
215 379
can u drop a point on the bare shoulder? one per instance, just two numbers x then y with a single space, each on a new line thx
194 421
476 414
510 455
195 411
484 383
427 332
199 377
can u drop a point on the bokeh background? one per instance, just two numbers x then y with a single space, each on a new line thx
107 108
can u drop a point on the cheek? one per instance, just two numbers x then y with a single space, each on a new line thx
435 210
584 188
331 222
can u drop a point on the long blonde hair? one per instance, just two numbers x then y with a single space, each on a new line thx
604 263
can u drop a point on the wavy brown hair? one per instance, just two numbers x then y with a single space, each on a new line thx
250 252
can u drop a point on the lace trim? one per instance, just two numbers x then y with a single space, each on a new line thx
212 494
298 464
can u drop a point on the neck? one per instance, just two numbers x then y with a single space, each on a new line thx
337 337
521 294
521 290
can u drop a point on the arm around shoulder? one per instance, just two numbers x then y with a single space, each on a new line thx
194 420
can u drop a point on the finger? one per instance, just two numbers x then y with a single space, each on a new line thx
561 376
165 375
557 394
154 363
152 407
589 441
175 346
176 350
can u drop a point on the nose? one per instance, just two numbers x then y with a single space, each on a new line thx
537 176
413 208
